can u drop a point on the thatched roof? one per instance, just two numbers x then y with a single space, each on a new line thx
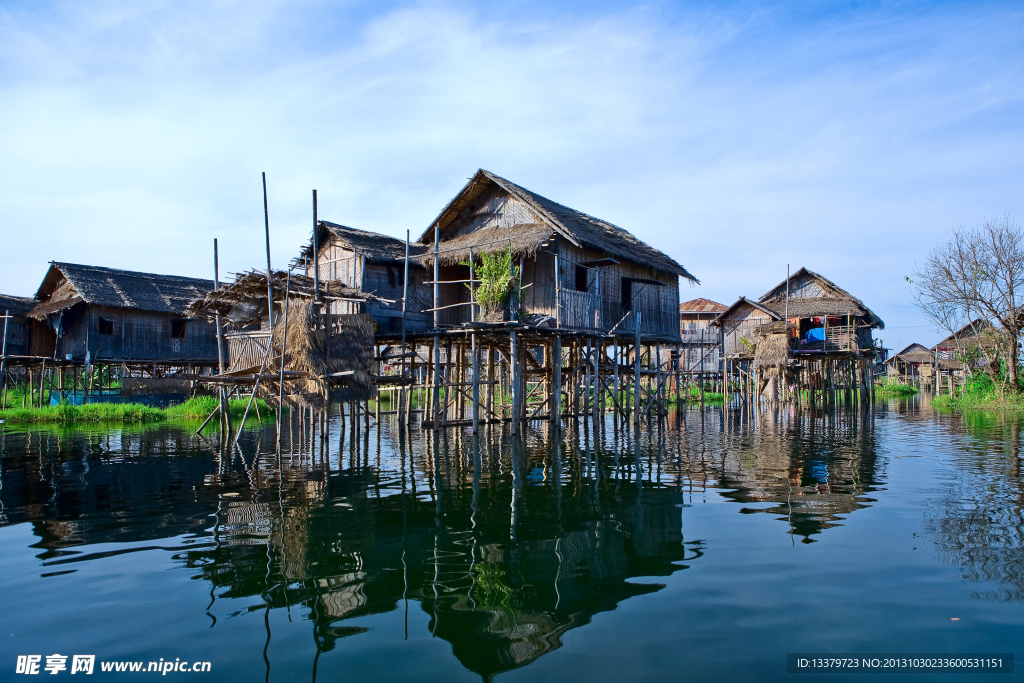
524 239
17 305
915 353
245 300
739 302
116 288
377 248
701 306
575 226
965 333
835 301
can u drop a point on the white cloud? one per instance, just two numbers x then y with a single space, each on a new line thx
737 139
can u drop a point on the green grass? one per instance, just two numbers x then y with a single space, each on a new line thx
93 412
198 408
981 394
895 389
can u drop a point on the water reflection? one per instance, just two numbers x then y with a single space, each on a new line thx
504 543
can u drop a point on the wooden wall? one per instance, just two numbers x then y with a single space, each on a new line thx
741 322
135 335
337 262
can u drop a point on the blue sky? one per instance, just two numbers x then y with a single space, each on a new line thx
846 137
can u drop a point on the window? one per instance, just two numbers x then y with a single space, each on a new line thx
581 278
106 326
178 329
627 295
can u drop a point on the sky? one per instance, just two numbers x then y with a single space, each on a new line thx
738 137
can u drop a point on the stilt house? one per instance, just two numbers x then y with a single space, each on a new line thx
700 340
913 362
18 328
738 326
374 264
577 272
120 315
823 317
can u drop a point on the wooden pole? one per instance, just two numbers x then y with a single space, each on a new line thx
636 374
514 371
222 391
316 253
270 273
405 396
3 363
556 381
284 355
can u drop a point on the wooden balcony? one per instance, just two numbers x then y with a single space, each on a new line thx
579 310
837 338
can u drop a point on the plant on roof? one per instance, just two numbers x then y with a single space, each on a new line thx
495 276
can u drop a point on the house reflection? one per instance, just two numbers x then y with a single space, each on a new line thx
506 543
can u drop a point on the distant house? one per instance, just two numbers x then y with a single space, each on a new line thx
913 362
822 318
120 315
739 324
700 341
18 326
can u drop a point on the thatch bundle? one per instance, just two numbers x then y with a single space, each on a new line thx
307 350
524 239
772 351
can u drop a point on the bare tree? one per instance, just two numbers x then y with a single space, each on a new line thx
979 273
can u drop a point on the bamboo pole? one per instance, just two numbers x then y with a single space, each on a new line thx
636 374
284 352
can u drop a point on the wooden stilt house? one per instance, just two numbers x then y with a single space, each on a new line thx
738 325
700 341
823 317
120 315
915 362
374 264
576 272
18 327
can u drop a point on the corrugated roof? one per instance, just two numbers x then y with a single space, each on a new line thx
576 226
125 288
701 306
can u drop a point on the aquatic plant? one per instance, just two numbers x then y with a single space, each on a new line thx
895 388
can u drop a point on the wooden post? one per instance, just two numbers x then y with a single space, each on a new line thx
556 381
636 374
514 371
476 384
598 402
284 351
616 357
558 293
3 364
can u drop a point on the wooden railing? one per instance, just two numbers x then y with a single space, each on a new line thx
246 349
837 338
579 310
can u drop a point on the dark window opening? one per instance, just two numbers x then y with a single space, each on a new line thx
627 295
106 326
581 278
178 329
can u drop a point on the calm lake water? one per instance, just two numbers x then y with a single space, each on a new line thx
706 550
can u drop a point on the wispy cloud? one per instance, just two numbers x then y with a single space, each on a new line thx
736 137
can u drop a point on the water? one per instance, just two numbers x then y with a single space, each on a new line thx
710 548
